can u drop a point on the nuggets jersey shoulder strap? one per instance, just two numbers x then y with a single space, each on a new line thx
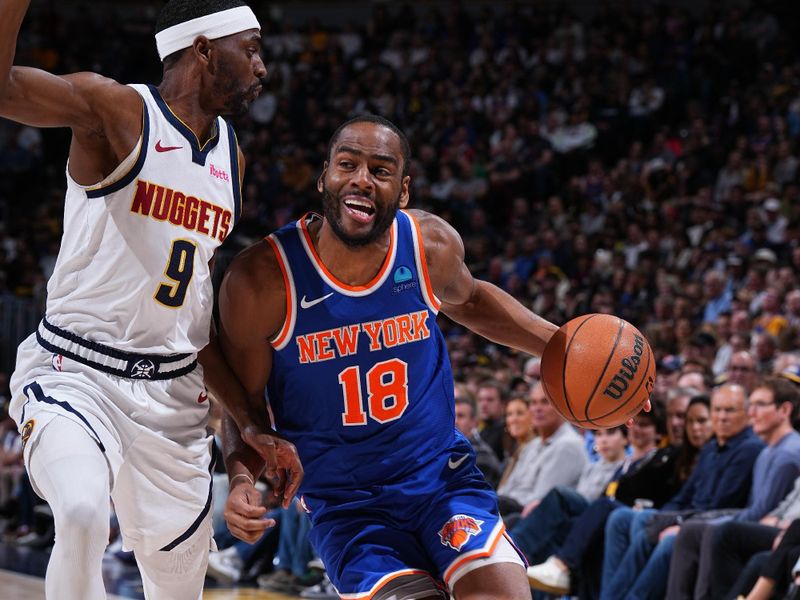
360 372
133 272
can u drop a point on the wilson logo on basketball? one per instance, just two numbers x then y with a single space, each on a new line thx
458 529
619 383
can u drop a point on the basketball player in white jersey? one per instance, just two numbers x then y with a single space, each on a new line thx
108 393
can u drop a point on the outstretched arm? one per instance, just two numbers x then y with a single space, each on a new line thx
482 307
105 116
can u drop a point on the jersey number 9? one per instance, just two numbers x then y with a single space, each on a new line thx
180 268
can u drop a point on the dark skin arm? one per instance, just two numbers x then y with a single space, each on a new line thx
105 116
252 306
478 305
245 412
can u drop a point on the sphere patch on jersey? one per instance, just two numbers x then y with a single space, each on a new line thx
458 529
402 274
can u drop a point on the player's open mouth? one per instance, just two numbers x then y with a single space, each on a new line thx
361 209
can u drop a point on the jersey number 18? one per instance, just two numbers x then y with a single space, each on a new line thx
387 392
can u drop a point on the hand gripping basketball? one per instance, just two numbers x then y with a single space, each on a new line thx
598 371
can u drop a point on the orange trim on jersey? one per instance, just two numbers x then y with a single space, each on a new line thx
331 276
424 265
288 287
469 558
382 583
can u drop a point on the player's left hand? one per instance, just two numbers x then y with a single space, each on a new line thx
244 512
646 407
283 467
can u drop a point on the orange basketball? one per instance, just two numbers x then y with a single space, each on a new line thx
598 370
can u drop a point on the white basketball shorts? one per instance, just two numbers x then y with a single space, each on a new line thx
152 433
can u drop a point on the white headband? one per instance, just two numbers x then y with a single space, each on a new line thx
213 26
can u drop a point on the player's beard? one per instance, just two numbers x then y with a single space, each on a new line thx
236 100
384 217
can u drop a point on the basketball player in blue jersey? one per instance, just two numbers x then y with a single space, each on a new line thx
108 394
336 316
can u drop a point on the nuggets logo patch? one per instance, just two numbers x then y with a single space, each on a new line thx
143 369
457 531
27 430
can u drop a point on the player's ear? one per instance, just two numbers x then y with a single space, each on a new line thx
321 179
404 195
202 49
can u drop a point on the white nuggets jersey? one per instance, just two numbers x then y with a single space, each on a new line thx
133 270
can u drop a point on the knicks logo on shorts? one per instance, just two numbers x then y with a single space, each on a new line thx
27 430
457 531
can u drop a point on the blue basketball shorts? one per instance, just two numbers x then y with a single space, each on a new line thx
368 538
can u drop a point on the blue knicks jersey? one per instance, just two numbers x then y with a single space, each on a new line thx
361 382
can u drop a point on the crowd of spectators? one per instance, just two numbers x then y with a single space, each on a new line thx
641 161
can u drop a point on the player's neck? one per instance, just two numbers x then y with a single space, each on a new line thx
183 99
352 265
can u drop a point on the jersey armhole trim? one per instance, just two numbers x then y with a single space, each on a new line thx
103 190
422 266
280 341
233 145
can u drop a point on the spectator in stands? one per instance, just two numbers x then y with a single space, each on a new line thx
772 405
635 558
742 370
543 529
647 478
553 456
677 403
491 415
780 568
719 298
467 423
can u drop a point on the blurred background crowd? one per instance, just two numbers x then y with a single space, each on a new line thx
632 158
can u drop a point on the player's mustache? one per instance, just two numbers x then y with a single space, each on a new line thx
366 195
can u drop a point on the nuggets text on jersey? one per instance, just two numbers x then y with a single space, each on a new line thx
195 214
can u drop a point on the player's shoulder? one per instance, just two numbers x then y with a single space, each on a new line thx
438 236
255 270
103 89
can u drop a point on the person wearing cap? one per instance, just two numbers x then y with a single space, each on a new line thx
110 393
775 221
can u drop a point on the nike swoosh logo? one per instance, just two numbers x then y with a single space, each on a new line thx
454 464
309 303
160 148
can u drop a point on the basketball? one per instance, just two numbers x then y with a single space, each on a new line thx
598 370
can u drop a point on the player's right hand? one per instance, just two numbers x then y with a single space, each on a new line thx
244 511
283 467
